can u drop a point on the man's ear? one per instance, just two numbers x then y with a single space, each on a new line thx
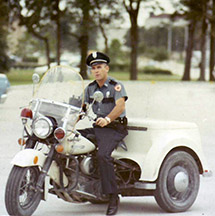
107 66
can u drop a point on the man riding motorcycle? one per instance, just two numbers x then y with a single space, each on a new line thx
110 126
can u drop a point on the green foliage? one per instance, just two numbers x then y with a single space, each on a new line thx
161 54
155 71
156 36
192 9
157 53
28 45
70 34
115 51
4 59
119 58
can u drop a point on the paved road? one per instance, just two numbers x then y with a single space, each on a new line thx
162 100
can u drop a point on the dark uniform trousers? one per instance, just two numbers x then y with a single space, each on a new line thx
107 140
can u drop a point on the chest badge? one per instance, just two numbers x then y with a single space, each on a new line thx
107 94
118 87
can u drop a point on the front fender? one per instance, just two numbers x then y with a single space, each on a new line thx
29 157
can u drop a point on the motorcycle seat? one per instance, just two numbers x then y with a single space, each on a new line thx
121 143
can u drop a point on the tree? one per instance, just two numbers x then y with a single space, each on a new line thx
55 14
85 18
70 34
204 7
112 12
189 50
35 19
191 10
81 24
132 7
212 40
194 12
4 59
39 17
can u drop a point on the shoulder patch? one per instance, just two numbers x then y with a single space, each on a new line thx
118 87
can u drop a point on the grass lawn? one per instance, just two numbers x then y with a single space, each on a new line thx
145 77
20 76
24 76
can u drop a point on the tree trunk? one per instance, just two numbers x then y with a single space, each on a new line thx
104 36
102 28
83 42
212 56
84 39
58 36
189 50
47 52
134 45
212 45
46 42
203 43
133 13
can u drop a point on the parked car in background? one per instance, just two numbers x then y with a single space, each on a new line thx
4 87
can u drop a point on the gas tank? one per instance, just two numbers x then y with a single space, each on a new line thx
77 145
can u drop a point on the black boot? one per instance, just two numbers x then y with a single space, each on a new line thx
113 205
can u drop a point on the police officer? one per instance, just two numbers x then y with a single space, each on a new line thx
110 125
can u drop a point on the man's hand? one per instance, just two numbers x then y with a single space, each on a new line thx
102 122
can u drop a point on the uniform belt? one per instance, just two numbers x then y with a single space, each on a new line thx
105 100
121 120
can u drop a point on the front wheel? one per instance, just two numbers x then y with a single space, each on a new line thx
178 182
21 198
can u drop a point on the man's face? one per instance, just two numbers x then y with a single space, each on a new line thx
100 71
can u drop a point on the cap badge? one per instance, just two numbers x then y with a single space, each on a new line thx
94 54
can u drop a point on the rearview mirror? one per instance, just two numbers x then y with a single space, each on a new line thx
35 78
98 96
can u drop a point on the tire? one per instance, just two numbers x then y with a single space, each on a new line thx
178 183
20 197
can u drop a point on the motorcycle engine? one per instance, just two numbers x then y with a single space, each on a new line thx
89 184
87 165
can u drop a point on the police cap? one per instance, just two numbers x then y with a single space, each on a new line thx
97 58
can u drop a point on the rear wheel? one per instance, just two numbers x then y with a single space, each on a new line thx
178 183
21 198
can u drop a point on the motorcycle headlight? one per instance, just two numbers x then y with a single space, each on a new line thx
42 127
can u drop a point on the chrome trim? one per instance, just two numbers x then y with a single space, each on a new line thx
145 185
50 124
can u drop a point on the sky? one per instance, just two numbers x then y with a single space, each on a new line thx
144 12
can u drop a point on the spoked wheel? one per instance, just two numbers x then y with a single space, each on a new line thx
21 198
178 183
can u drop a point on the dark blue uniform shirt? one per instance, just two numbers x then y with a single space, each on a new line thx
112 91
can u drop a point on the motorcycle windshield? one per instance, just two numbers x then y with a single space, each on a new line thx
61 90
60 84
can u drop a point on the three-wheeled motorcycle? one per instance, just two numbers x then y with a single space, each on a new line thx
163 159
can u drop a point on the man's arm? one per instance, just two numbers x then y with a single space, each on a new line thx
115 113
